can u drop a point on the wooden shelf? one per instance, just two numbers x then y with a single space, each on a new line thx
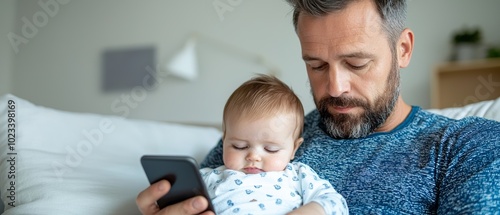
457 84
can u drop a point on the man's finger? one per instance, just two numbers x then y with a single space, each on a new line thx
194 205
146 200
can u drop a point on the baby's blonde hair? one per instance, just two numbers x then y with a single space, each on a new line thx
264 96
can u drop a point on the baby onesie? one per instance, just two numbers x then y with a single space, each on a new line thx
279 192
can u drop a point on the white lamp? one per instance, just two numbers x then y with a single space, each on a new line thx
185 63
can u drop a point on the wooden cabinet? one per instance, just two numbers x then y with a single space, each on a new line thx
460 83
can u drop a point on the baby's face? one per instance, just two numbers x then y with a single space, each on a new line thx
259 145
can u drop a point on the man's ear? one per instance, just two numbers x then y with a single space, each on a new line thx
296 145
404 47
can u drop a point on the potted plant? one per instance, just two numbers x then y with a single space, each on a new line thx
493 52
467 43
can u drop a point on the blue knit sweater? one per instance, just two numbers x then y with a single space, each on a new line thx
428 164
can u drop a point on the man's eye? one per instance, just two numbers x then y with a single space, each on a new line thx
357 66
319 68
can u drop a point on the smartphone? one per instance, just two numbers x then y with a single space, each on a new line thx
183 174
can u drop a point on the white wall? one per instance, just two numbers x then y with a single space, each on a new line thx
7 21
60 65
433 23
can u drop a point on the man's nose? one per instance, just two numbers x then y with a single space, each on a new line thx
338 82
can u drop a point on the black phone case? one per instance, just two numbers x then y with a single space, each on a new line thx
183 174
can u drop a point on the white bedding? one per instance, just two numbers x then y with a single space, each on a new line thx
487 109
81 163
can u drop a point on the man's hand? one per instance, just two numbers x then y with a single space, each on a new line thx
146 202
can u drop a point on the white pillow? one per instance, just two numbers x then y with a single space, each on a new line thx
488 109
80 163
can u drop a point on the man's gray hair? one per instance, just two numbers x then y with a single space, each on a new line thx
392 12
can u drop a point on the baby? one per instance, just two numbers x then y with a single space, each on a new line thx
262 127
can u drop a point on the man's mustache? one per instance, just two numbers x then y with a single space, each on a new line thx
342 101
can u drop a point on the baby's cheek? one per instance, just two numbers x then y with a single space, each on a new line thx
278 165
230 160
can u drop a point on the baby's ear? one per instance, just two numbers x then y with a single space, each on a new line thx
296 145
298 142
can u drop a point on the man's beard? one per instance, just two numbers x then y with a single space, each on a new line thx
340 125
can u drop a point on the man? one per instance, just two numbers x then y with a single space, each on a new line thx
381 154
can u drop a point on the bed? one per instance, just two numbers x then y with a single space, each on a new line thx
63 162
